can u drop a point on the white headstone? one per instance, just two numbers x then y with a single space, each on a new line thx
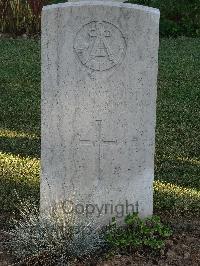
99 75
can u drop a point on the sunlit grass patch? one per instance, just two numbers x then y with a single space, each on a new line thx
192 161
176 199
19 178
17 134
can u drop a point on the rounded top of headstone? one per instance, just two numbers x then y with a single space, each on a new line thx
98 0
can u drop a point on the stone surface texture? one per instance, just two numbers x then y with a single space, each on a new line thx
99 75
99 0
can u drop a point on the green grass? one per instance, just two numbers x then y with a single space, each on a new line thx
178 127
19 121
177 185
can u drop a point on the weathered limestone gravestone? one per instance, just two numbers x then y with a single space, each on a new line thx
99 75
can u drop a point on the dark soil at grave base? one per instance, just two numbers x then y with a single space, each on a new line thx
182 248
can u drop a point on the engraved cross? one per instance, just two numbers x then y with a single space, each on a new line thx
97 144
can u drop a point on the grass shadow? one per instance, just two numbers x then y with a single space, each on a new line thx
23 146
178 171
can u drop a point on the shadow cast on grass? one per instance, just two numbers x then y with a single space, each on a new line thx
178 171
23 146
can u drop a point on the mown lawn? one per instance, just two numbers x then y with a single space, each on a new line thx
177 169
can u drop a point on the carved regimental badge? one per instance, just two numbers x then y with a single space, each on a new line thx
100 45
